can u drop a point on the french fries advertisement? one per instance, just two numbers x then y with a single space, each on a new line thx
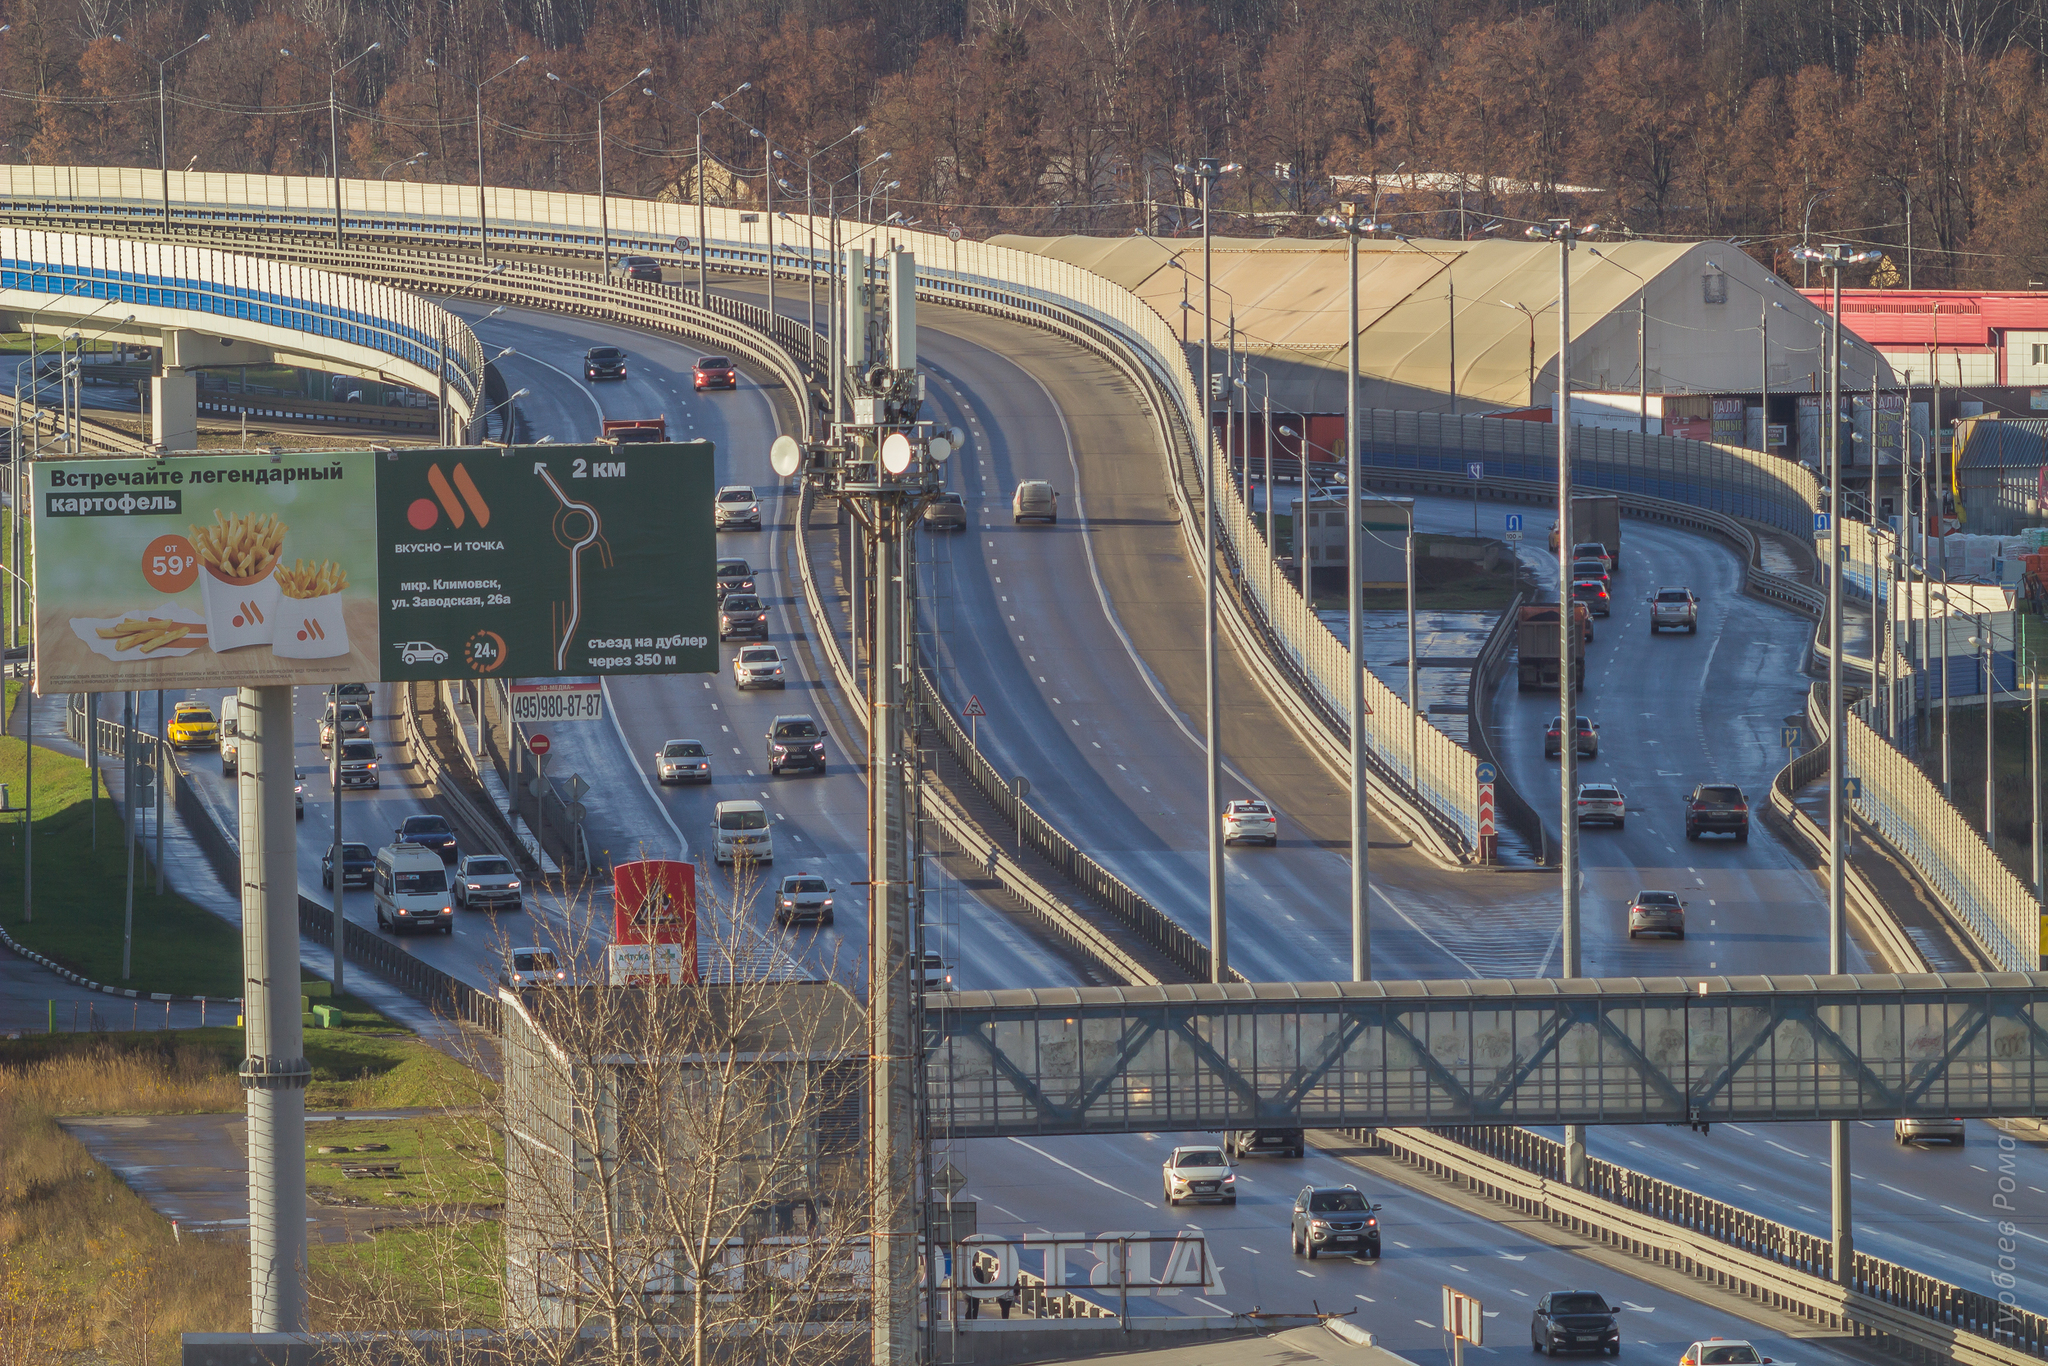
326 567
205 570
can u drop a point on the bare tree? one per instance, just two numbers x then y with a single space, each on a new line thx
685 1174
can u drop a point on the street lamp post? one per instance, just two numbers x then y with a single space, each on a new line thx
1347 221
483 222
334 127
1523 309
1986 659
1209 170
1450 316
1561 231
1834 258
604 221
1642 341
703 216
163 122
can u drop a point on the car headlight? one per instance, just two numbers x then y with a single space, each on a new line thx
511 886
1319 1225
780 750
1229 1180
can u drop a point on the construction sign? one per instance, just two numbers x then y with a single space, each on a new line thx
355 566
654 903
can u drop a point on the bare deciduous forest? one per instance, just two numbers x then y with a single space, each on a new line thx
1751 119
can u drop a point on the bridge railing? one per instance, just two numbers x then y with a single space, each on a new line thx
242 288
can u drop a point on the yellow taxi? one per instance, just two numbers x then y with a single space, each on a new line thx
193 727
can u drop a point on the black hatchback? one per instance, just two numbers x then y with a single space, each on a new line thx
1334 1219
604 362
1574 1321
734 576
358 865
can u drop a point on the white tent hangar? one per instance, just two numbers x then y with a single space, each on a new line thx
1287 297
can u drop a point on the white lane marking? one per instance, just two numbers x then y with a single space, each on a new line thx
1084 1175
1211 1303
1978 1217
1783 1149
1299 1272
612 710
1896 1191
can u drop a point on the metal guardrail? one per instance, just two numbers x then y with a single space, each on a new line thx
1731 1247
1145 919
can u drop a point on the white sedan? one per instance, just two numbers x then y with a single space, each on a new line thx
1247 820
757 666
1723 1352
1198 1172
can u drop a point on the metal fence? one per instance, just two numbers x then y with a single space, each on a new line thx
2008 1332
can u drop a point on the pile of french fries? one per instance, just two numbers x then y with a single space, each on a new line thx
243 546
304 580
147 635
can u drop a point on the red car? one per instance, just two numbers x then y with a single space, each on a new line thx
715 372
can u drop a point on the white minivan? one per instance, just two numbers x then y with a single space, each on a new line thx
739 830
411 885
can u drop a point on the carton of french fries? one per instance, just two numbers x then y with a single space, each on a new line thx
309 623
238 556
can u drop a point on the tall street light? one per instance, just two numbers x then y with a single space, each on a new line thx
334 125
810 223
1642 341
604 221
1347 221
703 214
1450 264
1524 310
1208 170
1834 258
1561 231
483 222
163 121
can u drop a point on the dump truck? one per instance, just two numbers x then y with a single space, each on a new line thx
1595 517
1536 646
627 429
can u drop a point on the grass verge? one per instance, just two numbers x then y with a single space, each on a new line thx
370 1065
445 1162
80 890
89 1272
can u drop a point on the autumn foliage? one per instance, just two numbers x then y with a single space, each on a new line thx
1763 120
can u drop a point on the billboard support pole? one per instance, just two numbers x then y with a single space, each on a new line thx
334 856
274 1072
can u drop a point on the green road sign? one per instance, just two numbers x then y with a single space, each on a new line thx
326 567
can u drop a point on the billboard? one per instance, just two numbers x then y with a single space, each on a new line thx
654 903
354 566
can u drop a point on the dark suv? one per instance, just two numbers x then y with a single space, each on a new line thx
604 362
741 614
734 576
358 865
1587 742
1334 1219
1717 809
432 832
1574 1321
795 742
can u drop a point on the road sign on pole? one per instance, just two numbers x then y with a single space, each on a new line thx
1514 522
1820 524
1475 469
1791 736
974 707
538 744
1464 1320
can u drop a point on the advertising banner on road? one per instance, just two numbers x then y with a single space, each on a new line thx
354 566
654 901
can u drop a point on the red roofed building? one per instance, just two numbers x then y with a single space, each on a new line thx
1959 338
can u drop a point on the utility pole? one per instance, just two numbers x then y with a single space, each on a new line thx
1209 169
1347 221
1561 231
274 1073
1833 258
884 466
334 857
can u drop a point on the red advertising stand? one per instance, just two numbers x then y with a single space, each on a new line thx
654 923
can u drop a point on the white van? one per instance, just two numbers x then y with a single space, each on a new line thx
230 717
411 885
739 830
